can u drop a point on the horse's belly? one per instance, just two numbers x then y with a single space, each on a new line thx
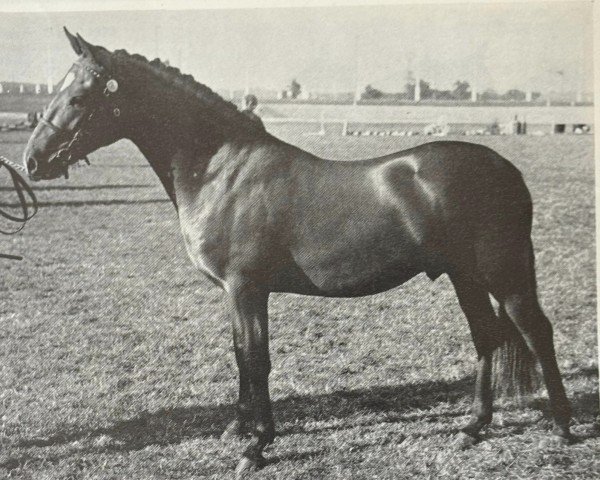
346 283
360 265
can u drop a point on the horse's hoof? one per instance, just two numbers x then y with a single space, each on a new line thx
232 431
247 466
464 441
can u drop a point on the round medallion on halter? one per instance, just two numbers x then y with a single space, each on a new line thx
112 85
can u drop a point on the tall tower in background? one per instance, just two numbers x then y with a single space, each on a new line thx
417 88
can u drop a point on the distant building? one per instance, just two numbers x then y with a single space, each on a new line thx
285 93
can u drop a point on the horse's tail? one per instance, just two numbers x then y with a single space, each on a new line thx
514 371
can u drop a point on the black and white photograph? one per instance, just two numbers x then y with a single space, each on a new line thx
298 240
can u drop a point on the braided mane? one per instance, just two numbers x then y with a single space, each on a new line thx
219 107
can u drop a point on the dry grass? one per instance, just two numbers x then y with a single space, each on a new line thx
116 358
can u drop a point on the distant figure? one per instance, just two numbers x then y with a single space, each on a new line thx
248 105
494 128
517 126
32 119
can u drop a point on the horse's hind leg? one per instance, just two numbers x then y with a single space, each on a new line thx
476 305
514 286
524 310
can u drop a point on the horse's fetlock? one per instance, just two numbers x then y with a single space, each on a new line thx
265 432
244 410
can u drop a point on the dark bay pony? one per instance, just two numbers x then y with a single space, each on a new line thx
259 215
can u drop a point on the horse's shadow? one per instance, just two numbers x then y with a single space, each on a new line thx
172 426
406 402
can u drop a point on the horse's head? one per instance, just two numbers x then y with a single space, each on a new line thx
83 117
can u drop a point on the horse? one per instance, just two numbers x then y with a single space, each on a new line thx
259 216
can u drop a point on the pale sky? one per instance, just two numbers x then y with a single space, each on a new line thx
502 46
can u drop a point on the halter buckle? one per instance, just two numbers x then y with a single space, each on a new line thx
112 85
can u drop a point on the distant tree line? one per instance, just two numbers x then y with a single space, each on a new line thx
461 91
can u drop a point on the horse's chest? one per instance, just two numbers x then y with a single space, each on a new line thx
220 236
204 235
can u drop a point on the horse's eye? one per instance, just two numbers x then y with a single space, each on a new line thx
76 102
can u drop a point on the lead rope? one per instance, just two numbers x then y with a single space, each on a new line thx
20 186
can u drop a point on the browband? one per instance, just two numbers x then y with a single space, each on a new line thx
111 84
95 73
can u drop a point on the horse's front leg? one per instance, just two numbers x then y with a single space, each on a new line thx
251 335
242 423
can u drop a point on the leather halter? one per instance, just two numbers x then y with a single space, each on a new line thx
66 154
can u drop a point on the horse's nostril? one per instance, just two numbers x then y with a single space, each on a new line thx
32 165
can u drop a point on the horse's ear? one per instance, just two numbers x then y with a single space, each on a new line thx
73 41
87 49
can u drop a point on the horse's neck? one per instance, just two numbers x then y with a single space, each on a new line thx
165 139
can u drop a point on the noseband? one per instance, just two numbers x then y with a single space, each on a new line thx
67 155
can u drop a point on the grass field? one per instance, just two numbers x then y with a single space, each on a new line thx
117 360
